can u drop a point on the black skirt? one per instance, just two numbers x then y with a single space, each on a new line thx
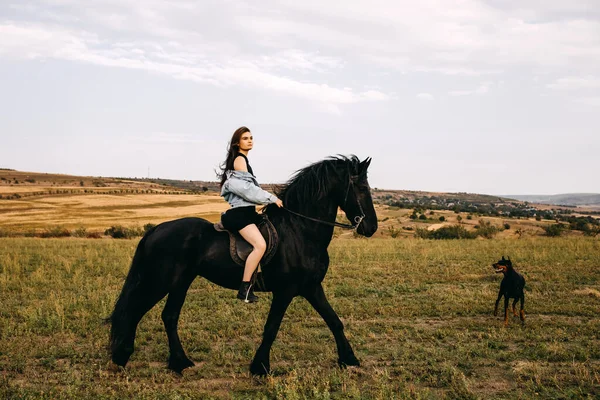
238 218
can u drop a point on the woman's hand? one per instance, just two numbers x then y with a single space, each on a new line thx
279 203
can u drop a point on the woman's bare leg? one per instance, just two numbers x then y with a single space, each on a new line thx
255 238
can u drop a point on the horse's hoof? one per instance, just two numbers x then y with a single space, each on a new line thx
350 361
179 365
260 368
114 368
121 358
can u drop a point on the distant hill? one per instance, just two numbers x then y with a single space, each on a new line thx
567 199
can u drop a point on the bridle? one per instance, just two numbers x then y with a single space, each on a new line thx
357 220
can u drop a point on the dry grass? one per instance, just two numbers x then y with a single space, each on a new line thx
94 211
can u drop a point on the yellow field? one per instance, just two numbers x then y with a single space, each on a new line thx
97 212
100 211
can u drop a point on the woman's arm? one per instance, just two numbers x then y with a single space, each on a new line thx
250 192
239 164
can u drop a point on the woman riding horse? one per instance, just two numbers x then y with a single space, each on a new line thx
170 256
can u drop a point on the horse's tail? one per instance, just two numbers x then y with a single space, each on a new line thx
126 305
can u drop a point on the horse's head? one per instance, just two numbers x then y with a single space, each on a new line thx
356 201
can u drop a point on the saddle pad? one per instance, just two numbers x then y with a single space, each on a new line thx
239 248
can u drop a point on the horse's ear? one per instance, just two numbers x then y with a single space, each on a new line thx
364 165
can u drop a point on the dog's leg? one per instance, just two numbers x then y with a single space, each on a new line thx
497 302
522 308
514 307
505 310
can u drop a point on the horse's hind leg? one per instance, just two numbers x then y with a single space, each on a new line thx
178 361
316 297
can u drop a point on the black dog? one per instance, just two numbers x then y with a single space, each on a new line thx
511 287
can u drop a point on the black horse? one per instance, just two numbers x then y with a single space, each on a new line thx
171 255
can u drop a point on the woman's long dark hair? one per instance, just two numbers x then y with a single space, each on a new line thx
233 149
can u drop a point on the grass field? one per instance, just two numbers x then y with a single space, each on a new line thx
418 313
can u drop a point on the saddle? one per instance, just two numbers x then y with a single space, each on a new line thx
239 248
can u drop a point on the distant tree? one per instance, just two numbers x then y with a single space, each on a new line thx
554 230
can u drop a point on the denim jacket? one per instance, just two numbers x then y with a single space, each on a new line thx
241 189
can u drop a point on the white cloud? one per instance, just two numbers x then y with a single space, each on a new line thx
38 41
169 138
313 49
469 37
589 101
480 90
575 83
425 96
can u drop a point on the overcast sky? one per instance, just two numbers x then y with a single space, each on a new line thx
484 96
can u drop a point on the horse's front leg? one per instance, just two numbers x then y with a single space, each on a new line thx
316 297
281 300
178 361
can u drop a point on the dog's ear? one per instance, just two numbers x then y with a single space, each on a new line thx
509 258
502 258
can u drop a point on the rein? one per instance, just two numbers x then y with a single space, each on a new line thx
357 220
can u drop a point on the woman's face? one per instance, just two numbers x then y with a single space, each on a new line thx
246 141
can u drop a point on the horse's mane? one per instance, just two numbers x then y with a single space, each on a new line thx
311 184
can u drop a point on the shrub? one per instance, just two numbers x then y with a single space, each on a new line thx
55 232
594 231
554 230
423 217
394 232
486 229
442 218
506 225
93 235
148 226
446 232
80 232
121 232
469 216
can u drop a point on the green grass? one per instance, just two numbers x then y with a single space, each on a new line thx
417 312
